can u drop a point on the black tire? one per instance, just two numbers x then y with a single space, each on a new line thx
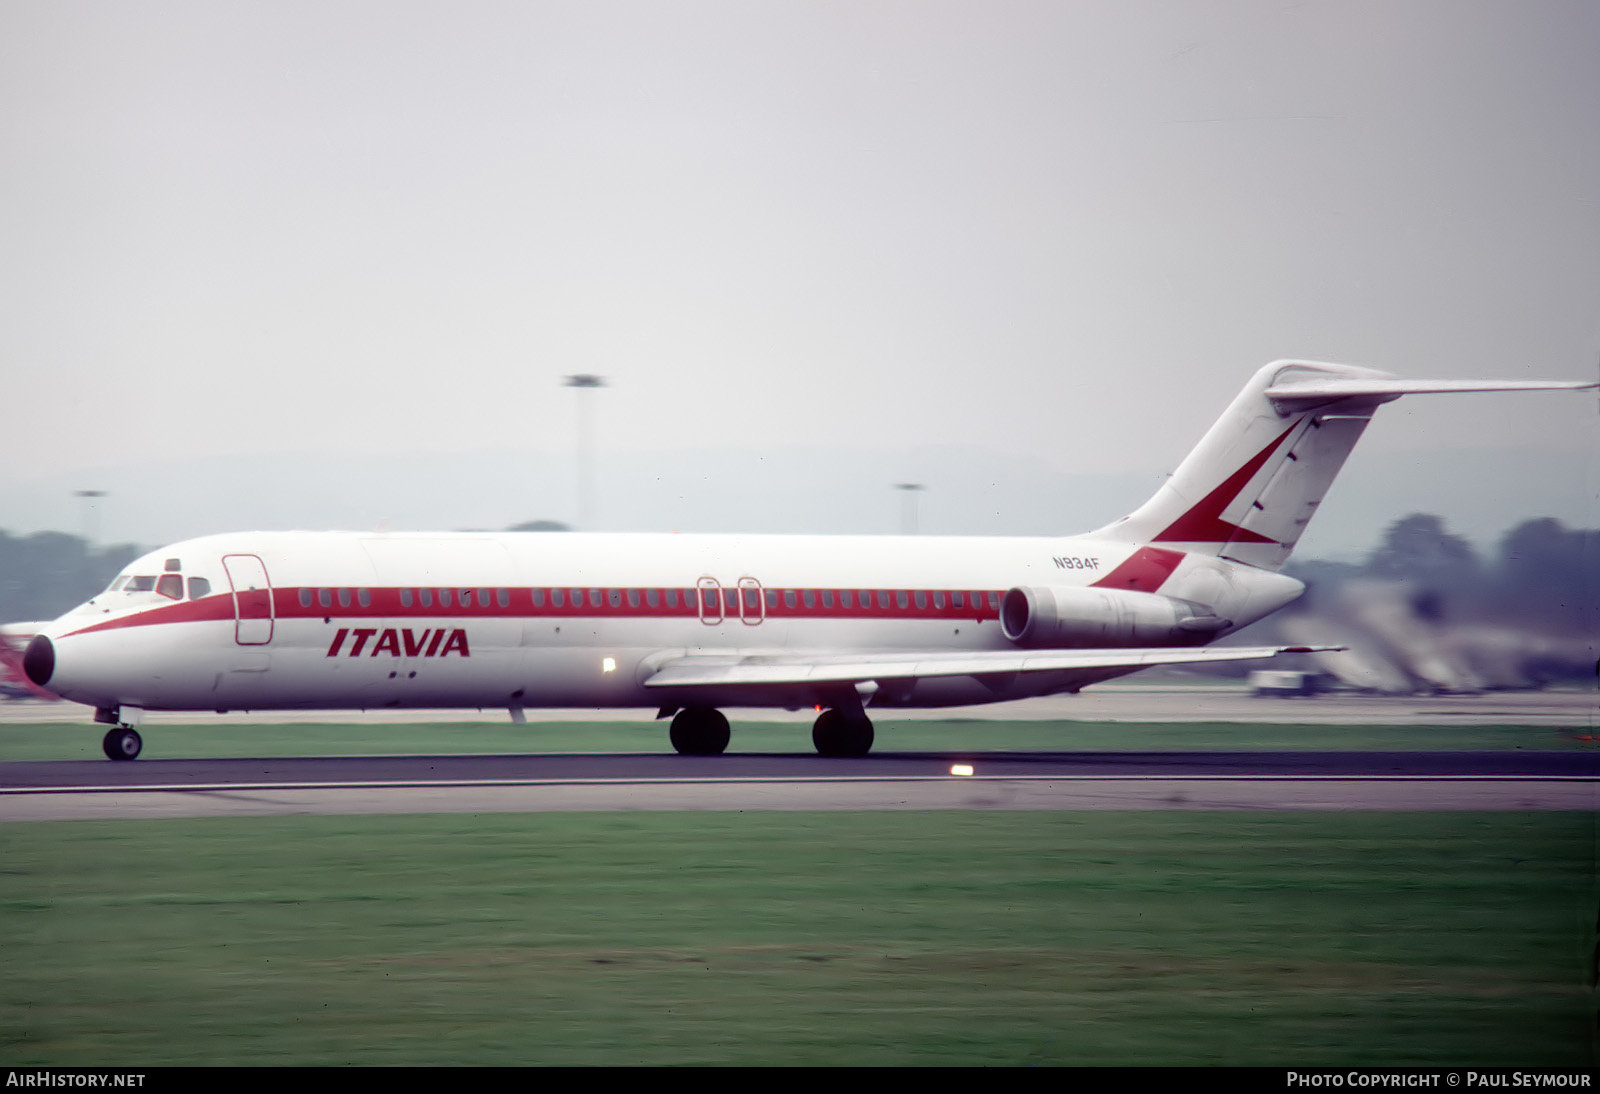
835 734
700 731
122 743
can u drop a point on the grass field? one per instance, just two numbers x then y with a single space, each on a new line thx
240 737
838 938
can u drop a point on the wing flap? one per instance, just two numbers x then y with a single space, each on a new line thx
706 670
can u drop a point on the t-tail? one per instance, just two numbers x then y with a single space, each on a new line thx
1249 488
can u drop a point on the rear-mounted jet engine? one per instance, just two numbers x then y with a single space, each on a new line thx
1066 617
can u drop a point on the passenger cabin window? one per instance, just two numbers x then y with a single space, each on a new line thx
344 598
558 598
305 595
538 598
200 587
325 597
170 586
425 596
502 597
405 598
364 597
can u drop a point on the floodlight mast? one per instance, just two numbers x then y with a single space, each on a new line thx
585 382
908 506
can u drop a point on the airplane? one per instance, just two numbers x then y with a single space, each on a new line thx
688 624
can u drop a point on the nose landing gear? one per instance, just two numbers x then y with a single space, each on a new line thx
122 741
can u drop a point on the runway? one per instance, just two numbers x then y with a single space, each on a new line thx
1295 781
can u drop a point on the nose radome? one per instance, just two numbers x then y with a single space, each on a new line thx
39 660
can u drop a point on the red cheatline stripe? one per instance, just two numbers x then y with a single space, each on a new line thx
385 603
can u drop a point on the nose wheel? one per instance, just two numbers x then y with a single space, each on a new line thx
122 743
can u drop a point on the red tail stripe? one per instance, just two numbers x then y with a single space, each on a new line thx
1203 523
1144 571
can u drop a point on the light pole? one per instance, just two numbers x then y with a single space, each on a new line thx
908 506
585 382
89 498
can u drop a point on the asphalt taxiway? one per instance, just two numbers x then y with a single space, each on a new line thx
1521 780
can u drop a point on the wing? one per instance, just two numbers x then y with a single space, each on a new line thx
712 670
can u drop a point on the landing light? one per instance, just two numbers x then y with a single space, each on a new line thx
961 769
608 665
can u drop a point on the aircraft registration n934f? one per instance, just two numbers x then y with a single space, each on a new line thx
688 624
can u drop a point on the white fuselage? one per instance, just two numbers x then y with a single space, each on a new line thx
350 620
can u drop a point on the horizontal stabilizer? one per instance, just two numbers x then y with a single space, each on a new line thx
1307 391
706 670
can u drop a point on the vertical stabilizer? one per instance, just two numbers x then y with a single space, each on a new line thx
1250 487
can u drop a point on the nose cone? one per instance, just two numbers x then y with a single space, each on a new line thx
39 660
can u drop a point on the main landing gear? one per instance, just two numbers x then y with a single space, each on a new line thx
700 731
839 731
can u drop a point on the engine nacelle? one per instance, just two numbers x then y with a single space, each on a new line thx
1058 616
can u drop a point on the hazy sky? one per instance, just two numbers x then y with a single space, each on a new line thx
1061 234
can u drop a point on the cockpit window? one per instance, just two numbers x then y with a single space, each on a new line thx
199 587
143 583
173 565
117 584
170 586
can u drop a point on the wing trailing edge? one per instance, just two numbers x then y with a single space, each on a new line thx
712 670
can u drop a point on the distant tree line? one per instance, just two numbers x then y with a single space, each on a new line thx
44 574
1543 576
